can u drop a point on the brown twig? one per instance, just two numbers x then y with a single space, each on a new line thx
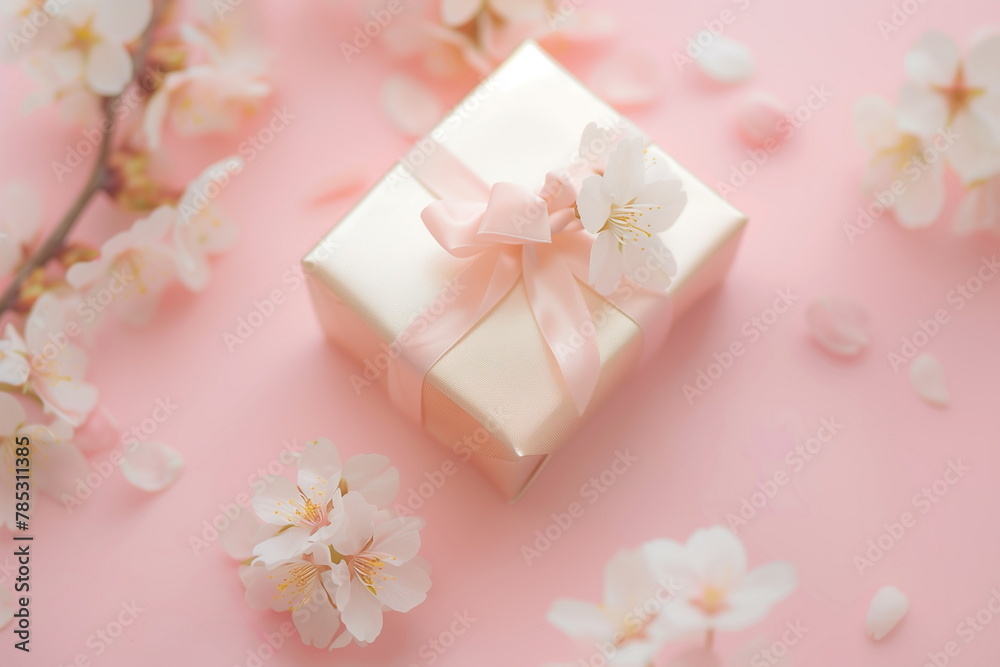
95 182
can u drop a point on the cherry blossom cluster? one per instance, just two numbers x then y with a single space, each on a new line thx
664 591
330 549
948 112
126 74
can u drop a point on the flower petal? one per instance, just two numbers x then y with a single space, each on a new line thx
318 621
404 587
109 68
238 538
459 12
580 620
886 610
122 20
607 264
397 538
922 199
759 119
668 196
975 155
286 545
372 477
354 525
594 204
724 59
626 173
719 555
12 415
875 123
928 379
839 326
275 503
981 70
921 110
151 466
319 470
933 60
760 590
628 79
362 614
980 208
411 106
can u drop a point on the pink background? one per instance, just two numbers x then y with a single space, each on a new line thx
696 462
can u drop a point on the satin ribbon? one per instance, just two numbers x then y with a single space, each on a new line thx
510 233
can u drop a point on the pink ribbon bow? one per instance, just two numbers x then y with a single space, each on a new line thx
510 233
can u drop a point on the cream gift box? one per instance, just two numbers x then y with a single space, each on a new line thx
497 395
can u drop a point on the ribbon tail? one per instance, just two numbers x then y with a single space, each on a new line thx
564 320
444 321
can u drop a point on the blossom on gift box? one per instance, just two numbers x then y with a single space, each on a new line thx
898 157
46 364
331 551
55 462
716 590
627 208
947 91
625 627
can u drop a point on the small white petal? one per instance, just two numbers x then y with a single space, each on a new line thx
410 105
724 59
759 118
151 466
628 79
927 378
886 610
109 68
839 326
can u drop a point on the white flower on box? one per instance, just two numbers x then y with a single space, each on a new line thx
627 207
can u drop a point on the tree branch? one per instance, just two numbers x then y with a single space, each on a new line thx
95 182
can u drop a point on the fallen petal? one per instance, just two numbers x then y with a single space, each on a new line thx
410 105
151 466
839 326
724 59
759 117
628 78
927 378
886 610
339 184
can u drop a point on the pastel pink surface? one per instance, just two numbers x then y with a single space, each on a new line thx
697 460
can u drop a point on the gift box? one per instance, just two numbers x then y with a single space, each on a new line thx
461 344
